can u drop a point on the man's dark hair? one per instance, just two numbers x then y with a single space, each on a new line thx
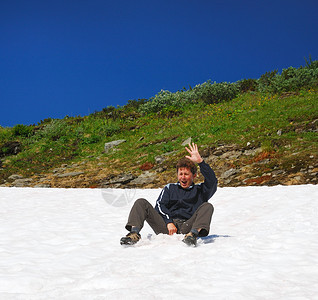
187 163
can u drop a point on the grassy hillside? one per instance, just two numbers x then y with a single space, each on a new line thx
281 126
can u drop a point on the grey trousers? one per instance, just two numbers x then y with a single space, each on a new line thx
143 211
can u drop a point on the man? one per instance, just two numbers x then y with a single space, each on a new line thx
182 207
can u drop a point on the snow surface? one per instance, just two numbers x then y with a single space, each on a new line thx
64 244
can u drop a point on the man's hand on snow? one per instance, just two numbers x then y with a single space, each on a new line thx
171 228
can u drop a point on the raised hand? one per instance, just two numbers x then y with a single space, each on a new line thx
194 153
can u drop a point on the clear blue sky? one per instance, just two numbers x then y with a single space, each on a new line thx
74 57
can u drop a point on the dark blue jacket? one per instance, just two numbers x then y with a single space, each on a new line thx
175 202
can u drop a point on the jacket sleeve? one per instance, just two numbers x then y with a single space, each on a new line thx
210 181
161 204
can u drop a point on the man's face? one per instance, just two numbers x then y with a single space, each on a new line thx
185 177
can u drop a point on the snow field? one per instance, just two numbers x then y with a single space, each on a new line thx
64 244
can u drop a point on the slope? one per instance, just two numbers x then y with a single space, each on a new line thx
64 244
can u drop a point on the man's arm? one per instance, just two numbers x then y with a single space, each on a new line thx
164 211
210 180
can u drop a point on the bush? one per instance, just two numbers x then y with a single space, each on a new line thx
246 85
290 79
135 104
109 130
311 64
163 99
54 130
266 81
5 134
91 140
22 130
293 79
207 92
216 92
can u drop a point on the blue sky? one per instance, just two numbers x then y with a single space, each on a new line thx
75 57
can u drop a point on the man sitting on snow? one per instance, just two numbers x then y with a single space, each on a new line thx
182 207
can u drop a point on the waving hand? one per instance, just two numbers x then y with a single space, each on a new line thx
194 153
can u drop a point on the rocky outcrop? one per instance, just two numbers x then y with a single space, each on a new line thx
234 165
144 179
110 145
116 181
19 181
70 174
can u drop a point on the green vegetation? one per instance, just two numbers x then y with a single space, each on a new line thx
248 111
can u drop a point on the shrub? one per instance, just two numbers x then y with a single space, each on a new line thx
311 64
246 85
207 92
163 99
5 134
266 81
54 130
135 104
22 130
216 92
109 129
91 140
291 79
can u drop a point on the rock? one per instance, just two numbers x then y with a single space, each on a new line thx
118 180
228 173
112 144
225 148
159 159
313 170
218 152
231 154
15 177
294 179
187 142
161 169
25 182
257 180
252 152
145 178
277 172
58 170
263 162
71 174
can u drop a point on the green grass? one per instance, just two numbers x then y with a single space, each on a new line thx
249 118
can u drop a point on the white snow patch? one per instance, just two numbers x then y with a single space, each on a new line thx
64 244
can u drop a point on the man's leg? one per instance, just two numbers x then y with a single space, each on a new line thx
143 211
200 222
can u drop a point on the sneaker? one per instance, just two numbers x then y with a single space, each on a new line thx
130 239
190 239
